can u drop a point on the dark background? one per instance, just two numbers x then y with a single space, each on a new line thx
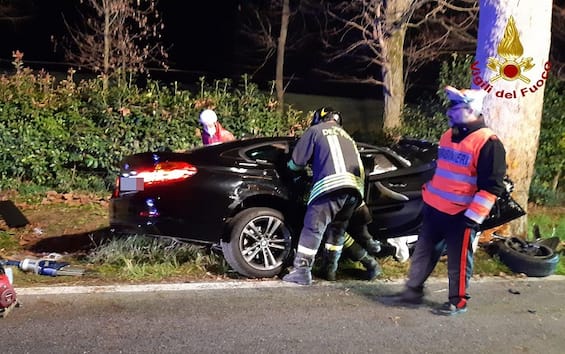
201 37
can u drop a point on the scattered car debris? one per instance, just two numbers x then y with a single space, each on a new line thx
515 292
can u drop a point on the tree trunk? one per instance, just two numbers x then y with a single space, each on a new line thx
393 64
107 40
279 78
513 107
393 79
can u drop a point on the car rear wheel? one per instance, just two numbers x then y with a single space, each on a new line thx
260 243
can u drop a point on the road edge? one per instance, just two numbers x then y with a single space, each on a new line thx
223 285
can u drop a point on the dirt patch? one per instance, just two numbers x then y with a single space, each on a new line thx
62 223
553 212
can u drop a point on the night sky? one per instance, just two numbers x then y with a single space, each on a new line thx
200 36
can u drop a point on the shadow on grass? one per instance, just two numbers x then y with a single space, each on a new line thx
73 243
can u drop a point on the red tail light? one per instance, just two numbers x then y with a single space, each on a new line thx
116 192
165 172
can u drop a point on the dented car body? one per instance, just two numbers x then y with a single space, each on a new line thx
241 196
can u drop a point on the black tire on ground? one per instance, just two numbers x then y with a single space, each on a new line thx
260 243
534 260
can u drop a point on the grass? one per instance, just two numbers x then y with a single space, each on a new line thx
57 223
551 221
484 265
8 243
137 257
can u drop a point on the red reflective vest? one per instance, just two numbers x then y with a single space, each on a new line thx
453 187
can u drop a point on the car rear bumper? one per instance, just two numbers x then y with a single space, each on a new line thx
133 215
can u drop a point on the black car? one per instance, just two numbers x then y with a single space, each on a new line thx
241 196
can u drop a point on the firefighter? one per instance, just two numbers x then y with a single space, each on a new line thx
337 190
358 245
212 130
468 178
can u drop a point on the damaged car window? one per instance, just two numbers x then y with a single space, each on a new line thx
380 164
271 153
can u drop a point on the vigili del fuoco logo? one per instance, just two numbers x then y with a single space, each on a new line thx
511 66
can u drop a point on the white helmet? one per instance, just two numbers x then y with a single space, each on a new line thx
208 117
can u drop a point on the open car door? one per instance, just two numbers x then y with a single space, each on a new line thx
393 191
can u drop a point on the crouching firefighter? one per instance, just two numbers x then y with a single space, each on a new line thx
337 190
358 246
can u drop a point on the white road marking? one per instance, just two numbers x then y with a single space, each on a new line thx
51 290
251 284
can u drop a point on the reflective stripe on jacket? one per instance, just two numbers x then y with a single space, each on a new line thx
453 187
336 163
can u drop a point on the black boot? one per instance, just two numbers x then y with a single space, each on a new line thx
360 233
408 296
373 247
330 261
302 270
356 253
372 267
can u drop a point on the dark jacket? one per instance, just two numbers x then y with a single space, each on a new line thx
335 160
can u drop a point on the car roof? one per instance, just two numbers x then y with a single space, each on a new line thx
236 149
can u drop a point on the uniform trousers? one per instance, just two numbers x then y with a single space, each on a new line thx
327 218
440 230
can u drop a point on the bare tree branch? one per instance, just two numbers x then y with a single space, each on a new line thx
116 36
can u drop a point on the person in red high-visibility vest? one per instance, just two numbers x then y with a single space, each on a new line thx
469 176
212 130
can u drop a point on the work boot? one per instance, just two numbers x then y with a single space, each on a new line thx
329 266
302 270
373 247
408 296
372 267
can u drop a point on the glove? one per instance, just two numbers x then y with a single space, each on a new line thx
471 224
299 176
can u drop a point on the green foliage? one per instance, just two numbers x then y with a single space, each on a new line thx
246 110
456 73
427 119
548 183
70 135
550 224
8 242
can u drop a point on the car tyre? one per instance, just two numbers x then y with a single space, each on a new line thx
532 259
260 243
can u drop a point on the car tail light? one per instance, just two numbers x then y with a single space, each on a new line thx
116 192
164 172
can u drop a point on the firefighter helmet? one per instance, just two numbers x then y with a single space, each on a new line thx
325 114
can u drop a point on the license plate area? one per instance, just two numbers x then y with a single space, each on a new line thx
131 184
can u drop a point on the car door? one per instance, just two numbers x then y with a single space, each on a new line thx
393 192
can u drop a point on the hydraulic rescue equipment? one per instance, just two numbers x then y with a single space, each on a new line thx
7 293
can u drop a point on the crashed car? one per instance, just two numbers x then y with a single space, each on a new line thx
241 197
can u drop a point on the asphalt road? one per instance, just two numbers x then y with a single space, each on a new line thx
505 316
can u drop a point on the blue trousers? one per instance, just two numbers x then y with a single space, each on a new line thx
326 218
